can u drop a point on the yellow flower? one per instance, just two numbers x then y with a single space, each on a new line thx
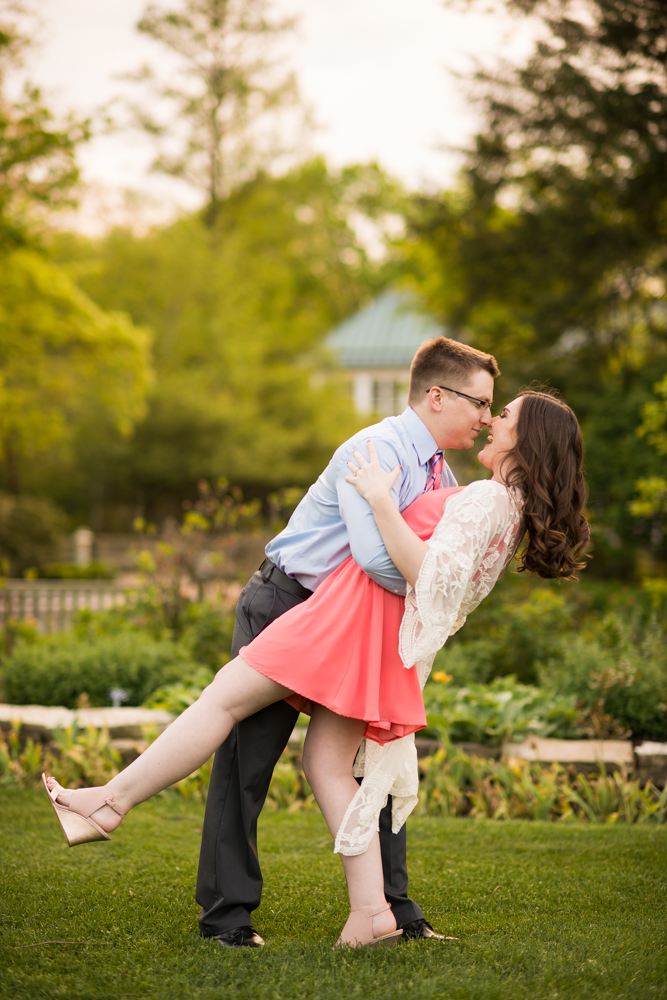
441 676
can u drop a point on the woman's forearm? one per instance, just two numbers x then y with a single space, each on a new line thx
406 550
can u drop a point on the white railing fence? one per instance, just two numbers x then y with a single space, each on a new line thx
51 604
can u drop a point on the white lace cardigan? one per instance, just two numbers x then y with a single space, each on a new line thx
469 549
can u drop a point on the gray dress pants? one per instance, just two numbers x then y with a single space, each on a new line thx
229 879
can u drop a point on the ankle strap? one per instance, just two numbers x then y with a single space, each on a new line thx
110 802
372 911
58 788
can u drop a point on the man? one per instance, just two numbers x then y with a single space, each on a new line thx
451 390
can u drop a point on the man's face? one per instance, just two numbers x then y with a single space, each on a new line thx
458 421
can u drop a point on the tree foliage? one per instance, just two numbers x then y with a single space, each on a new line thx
31 529
654 425
216 127
38 170
552 254
564 211
238 315
195 550
651 501
60 358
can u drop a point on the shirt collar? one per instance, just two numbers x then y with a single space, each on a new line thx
425 444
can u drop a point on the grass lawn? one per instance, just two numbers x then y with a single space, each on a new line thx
541 910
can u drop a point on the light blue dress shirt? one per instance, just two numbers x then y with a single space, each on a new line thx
334 521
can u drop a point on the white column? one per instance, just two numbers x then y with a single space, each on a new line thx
83 546
363 392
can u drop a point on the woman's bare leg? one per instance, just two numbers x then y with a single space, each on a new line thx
328 755
236 692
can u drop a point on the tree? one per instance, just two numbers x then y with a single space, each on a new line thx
238 321
552 254
194 552
60 358
654 425
38 170
563 216
218 106
651 502
31 529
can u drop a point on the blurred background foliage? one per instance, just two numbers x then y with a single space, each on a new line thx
542 659
452 782
551 253
238 313
138 363
535 659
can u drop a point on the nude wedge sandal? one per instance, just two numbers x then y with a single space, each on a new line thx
358 929
78 828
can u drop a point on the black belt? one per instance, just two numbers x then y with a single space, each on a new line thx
281 580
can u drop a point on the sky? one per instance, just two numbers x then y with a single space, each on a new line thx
377 74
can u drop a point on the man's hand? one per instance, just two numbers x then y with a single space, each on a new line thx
369 478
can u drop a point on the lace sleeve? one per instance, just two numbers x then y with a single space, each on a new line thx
469 549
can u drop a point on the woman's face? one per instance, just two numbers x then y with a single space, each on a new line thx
502 437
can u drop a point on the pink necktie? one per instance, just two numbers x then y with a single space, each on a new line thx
435 474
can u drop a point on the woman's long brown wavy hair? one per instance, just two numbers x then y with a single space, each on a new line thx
546 466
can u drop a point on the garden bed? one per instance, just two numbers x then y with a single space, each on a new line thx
539 779
127 729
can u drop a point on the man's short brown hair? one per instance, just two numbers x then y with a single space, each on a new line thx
446 362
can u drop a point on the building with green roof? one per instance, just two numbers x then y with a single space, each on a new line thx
376 347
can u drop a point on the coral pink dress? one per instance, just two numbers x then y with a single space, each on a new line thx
340 647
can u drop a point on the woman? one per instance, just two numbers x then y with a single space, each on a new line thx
337 655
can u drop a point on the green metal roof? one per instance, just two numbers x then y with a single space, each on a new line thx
385 334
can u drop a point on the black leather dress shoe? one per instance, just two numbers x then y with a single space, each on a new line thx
422 929
240 937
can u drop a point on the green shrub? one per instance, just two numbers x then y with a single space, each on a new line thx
79 757
207 633
60 669
289 788
205 629
617 672
599 648
175 698
498 712
637 694
130 617
467 662
453 784
20 764
31 529
17 630
68 571
520 628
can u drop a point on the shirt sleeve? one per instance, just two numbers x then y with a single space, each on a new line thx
366 545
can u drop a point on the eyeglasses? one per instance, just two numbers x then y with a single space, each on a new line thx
481 404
